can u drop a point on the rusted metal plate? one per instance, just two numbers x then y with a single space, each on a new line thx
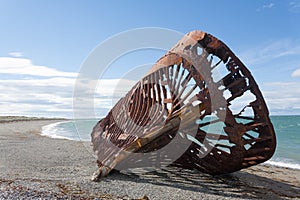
199 93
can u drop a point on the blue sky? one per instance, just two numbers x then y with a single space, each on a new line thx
44 43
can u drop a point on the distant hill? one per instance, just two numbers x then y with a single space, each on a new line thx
4 119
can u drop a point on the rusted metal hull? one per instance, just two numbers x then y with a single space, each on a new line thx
181 96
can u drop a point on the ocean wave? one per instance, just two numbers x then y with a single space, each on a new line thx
55 130
78 130
283 164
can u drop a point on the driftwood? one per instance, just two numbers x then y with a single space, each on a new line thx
180 114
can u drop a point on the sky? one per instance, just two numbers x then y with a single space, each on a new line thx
43 45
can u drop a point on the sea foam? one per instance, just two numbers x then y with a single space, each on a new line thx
55 130
283 164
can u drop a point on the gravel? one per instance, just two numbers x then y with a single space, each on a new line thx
37 167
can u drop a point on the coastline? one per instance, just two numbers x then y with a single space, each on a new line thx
67 132
36 166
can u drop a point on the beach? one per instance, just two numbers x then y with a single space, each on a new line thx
33 166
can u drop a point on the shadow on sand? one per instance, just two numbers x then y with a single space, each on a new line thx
238 185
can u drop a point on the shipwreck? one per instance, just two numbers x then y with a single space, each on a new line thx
183 115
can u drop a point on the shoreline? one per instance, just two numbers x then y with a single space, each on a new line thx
36 166
46 131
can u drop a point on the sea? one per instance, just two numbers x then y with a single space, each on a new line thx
287 130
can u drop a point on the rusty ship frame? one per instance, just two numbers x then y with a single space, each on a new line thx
180 97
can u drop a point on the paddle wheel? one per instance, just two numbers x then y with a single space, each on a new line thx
198 107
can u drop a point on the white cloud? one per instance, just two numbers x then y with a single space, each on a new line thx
266 6
114 87
24 66
51 82
15 54
49 92
296 73
270 5
270 51
36 97
95 97
54 96
294 7
282 97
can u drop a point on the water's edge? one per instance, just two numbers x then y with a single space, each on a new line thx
58 131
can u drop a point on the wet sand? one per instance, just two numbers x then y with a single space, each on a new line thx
38 167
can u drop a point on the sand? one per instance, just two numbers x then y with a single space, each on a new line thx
37 167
